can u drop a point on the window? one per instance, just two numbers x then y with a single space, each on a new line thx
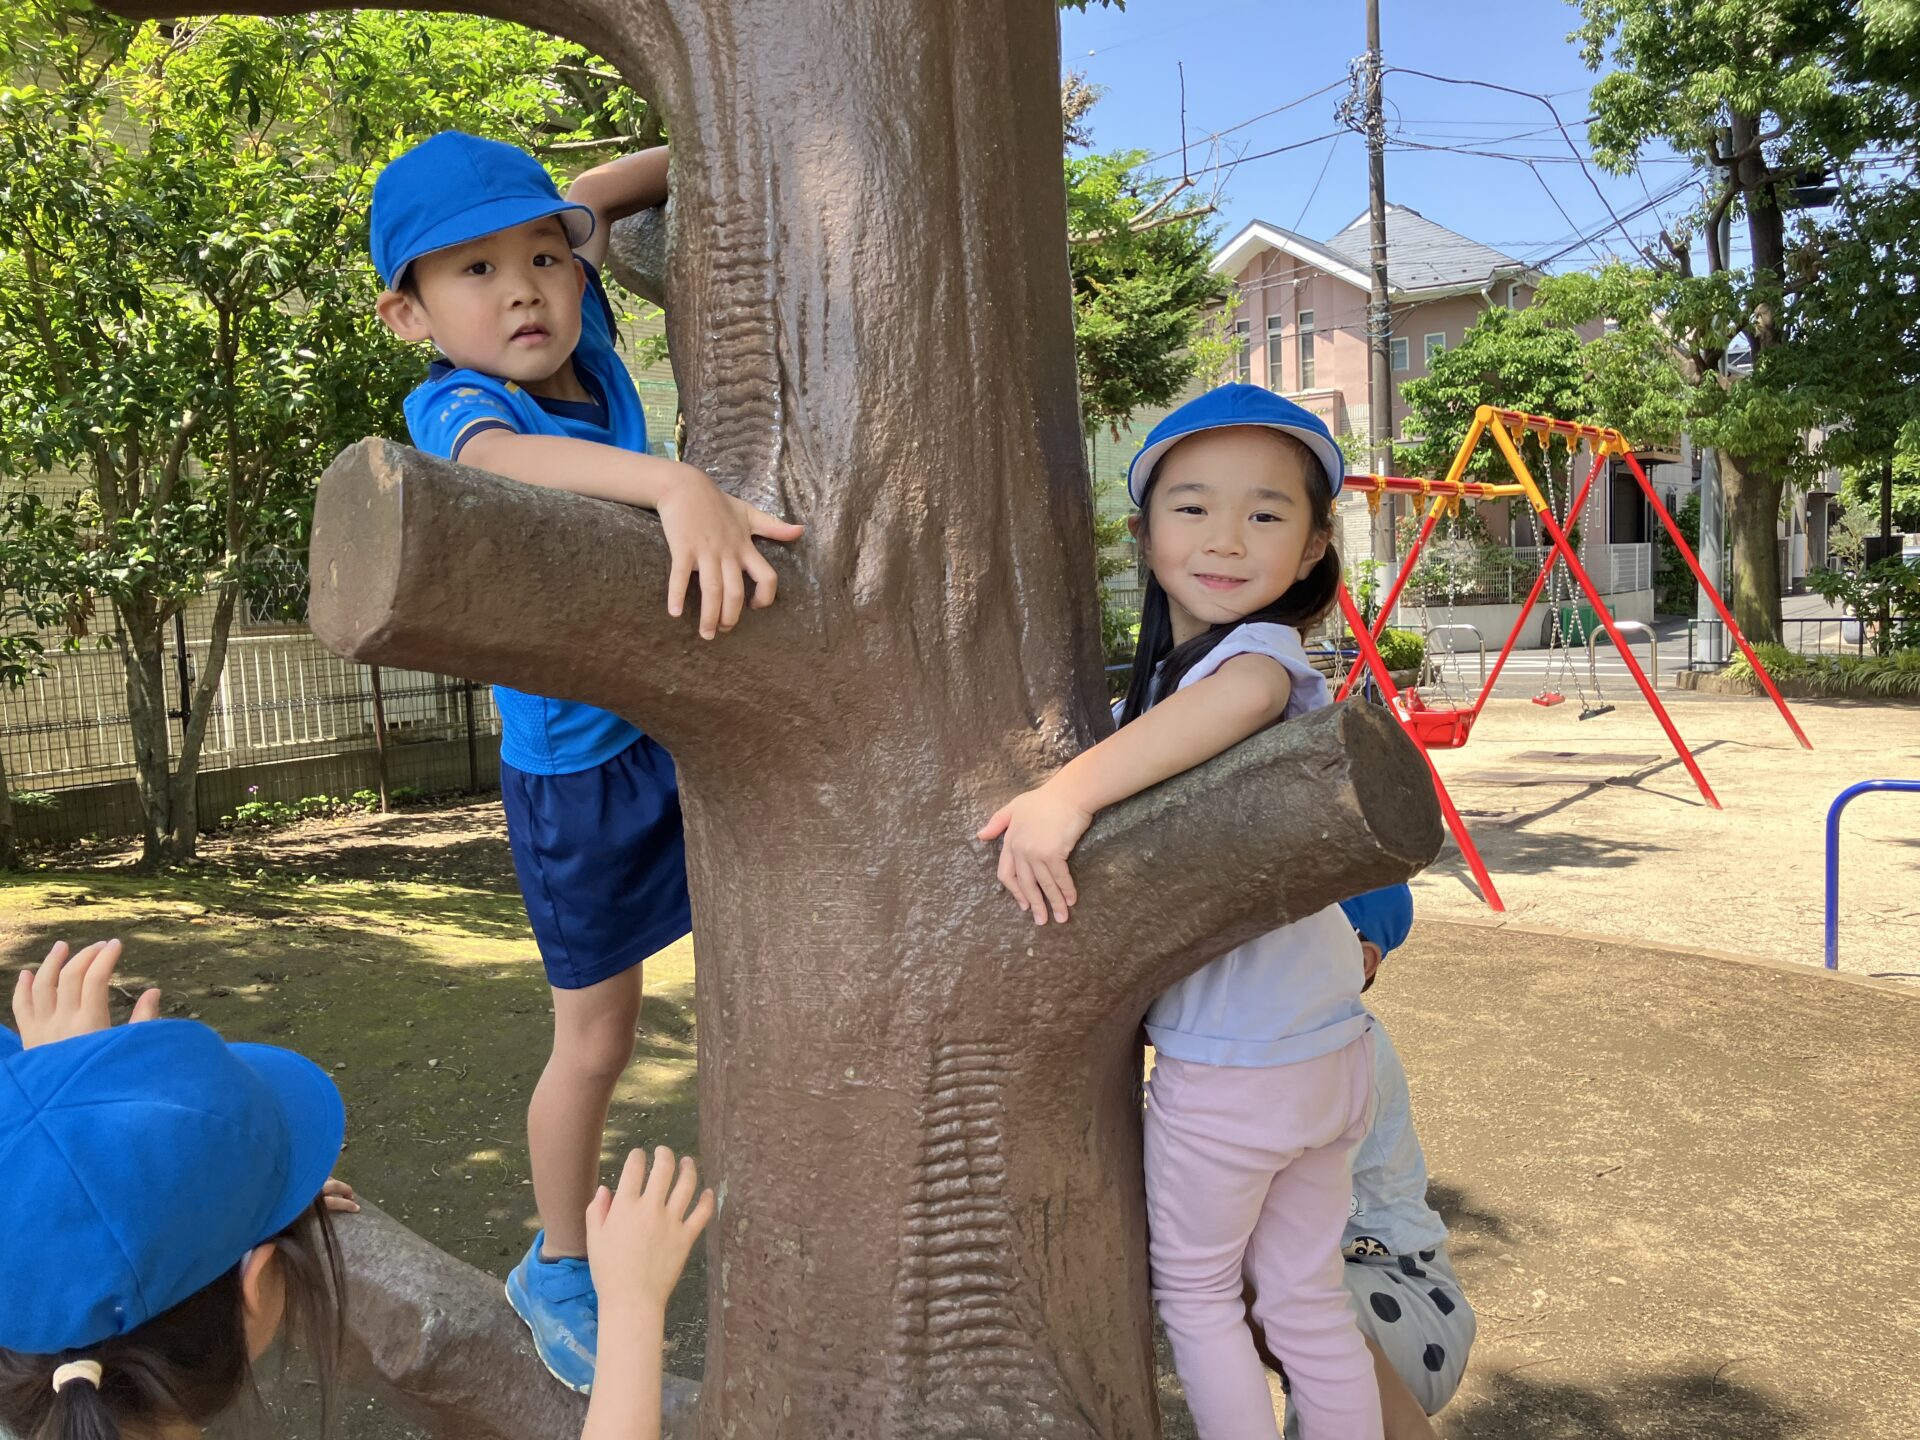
1242 345
1306 350
1435 345
1276 350
1400 348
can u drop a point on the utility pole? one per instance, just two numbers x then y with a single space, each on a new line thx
1715 647
1379 318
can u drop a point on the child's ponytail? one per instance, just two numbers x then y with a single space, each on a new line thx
187 1365
77 1410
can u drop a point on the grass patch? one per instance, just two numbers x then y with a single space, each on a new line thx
1878 677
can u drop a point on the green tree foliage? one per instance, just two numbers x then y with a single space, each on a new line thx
184 296
1763 94
1536 360
1146 304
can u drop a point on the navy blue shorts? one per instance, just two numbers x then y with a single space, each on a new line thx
602 862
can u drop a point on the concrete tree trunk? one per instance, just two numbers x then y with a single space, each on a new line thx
921 1111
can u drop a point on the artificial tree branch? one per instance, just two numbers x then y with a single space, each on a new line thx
421 563
433 1338
1307 813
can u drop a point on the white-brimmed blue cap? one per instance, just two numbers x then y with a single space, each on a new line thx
1237 405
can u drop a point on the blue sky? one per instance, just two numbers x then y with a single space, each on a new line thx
1245 57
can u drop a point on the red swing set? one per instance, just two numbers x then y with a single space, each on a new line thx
1447 726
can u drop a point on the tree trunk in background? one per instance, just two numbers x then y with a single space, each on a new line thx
1753 543
142 654
6 817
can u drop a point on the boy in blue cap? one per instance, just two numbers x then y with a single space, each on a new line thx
482 257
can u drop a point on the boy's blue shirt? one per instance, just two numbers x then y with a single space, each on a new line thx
539 735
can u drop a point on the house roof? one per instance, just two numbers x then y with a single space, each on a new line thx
1421 255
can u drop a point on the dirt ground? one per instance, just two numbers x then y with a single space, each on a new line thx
1682 1187
1595 827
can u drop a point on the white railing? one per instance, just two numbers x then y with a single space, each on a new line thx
281 696
1616 569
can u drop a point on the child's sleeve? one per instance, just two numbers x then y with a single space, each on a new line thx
1383 916
444 415
9 1043
1277 642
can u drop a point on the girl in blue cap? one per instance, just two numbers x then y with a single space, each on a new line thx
168 1201
1263 1067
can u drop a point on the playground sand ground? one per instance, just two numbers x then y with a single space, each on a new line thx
1595 828
1681 1185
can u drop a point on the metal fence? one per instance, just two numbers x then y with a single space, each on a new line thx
1823 635
290 720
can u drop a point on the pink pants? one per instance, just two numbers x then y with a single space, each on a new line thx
1250 1172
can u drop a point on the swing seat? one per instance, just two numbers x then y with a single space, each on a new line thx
1436 727
1549 697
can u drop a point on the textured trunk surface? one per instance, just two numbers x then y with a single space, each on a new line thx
1753 540
921 1111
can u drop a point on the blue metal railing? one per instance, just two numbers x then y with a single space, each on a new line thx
1840 802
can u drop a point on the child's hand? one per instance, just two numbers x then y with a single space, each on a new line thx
710 534
638 1238
69 997
339 1198
1041 829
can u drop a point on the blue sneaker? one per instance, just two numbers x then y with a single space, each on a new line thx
557 1300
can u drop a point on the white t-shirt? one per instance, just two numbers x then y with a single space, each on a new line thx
1292 994
1389 1168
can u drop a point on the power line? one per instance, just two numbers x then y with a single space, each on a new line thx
1559 124
1325 165
1250 120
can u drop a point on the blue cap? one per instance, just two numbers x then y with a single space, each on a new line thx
1383 916
141 1164
455 188
1237 405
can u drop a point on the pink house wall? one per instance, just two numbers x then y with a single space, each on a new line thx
1278 286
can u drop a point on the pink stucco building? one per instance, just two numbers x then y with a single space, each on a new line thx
1301 306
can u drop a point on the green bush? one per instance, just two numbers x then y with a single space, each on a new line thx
368 800
1402 650
1869 676
35 800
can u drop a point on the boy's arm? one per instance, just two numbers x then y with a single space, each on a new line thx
1248 693
709 532
616 190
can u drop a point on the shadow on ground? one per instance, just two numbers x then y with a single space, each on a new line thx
1699 1406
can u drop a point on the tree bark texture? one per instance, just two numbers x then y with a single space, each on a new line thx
168 784
432 1338
1753 541
922 1112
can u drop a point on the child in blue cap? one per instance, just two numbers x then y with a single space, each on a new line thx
168 1207
482 257
1263 1068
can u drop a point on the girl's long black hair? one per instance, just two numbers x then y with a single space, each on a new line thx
188 1365
1159 664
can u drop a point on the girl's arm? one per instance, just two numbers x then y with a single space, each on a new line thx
616 190
638 1239
1244 696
